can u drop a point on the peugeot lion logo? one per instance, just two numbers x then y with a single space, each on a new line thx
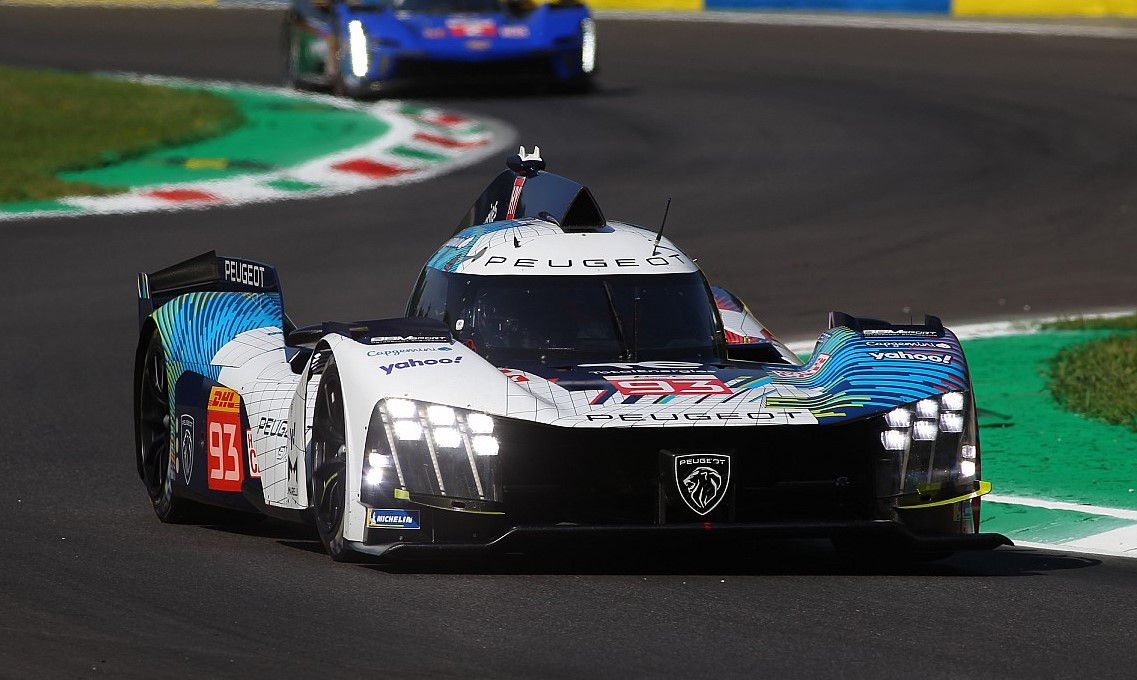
185 447
702 480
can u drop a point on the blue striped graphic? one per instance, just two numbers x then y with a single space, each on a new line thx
196 325
855 382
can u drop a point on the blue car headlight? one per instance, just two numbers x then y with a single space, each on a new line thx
588 45
357 48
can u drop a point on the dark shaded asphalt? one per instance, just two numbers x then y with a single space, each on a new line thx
879 172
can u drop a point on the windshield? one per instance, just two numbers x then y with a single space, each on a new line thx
575 319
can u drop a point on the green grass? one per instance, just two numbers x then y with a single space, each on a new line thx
1098 378
1120 323
52 122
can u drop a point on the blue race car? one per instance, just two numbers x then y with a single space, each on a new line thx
363 47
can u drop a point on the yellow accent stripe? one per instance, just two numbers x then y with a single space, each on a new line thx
207 163
984 489
1083 8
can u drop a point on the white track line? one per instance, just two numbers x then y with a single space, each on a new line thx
1119 513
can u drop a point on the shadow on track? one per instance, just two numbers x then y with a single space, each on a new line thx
771 557
775 558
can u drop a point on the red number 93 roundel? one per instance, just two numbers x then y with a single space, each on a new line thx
224 440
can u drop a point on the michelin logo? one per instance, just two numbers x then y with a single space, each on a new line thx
393 519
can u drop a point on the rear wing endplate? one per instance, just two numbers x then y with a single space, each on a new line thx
206 272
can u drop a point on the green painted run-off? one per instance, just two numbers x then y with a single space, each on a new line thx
279 131
1031 446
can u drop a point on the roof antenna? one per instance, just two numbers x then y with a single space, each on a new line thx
655 248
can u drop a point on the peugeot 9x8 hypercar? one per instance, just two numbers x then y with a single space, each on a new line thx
559 377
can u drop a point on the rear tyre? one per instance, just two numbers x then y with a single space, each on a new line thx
155 434
329 467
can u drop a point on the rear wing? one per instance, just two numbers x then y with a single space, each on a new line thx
206 272
931 328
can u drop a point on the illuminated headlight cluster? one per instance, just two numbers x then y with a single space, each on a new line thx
924 421
588 45
932 442
432 449
357 48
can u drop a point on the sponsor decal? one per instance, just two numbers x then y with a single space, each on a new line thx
702 480
392 339
478 45
380 518
224 440
434 33
472 28
415 363
810 371
925 344
592 262
519 31
900 331
406 350
244 273
913 356
254 462
293 475
270 427
185 446
672 384
752 416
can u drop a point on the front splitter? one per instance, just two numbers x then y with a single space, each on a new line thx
590 538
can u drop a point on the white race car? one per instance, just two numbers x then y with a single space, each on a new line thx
558 377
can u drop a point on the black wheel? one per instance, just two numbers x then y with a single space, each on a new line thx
155 435
329 467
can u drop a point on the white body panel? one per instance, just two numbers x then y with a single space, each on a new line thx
534 247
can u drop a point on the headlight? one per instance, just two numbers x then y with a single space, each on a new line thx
430 449
357 48
587 45
930 449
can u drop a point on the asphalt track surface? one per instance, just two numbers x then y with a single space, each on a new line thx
880 172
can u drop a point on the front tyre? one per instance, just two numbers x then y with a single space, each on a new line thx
155 436
329 467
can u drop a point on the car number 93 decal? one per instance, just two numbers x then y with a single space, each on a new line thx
668 384
224 440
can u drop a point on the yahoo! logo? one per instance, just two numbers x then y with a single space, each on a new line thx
912 356
415 363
